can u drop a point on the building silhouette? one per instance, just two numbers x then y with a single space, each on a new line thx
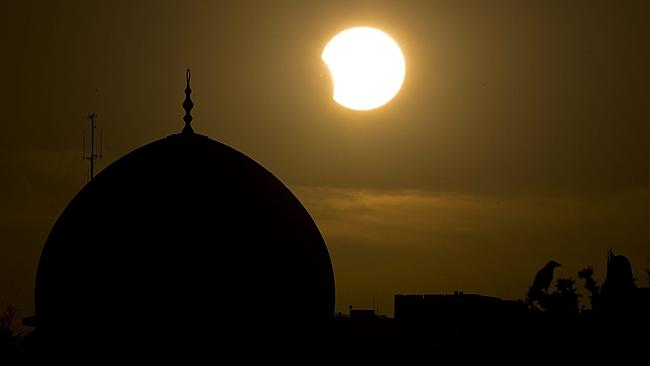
187 248
183 247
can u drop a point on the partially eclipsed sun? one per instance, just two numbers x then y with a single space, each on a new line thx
367 68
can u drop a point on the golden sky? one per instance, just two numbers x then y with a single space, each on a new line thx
520 134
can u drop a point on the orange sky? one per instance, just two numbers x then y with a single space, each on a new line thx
520 134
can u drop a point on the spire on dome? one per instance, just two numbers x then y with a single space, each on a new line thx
188 105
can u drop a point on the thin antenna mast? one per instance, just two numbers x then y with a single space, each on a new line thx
93 155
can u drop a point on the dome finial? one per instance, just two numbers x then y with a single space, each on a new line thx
188 105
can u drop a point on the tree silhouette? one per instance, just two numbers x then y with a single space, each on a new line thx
590 284
564 299
9 335
619 288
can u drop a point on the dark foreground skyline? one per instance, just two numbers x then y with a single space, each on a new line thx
520 134
550 325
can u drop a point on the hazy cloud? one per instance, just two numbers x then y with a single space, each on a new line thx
391 241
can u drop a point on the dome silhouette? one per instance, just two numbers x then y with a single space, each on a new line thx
184 243
186 230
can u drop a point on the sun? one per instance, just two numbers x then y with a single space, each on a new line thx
367 68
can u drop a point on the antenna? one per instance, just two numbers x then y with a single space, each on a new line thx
93 155
101 135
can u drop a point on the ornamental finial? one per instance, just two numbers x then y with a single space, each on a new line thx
188 105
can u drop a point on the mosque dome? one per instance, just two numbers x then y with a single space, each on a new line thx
182 242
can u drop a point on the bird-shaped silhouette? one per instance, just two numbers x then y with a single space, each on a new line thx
543 280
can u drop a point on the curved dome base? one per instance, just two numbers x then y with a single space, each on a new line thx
185 243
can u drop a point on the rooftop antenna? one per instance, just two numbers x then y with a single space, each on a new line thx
94 153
